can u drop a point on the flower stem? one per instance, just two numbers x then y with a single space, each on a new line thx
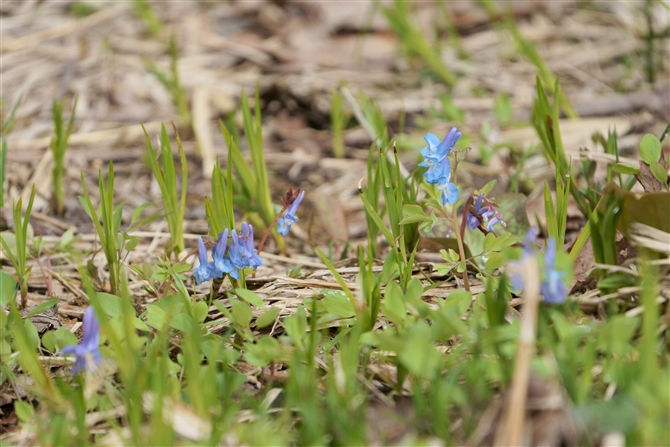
461 250
270 227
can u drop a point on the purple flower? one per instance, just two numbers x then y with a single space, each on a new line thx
484 214
206 270
87 352
517 279
284 223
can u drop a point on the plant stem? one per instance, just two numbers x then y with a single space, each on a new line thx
268 230
461 250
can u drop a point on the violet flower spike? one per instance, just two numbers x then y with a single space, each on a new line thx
205 271
487 214
87 352
284 223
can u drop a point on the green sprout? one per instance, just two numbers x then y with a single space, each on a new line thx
17 252
58 148
166 176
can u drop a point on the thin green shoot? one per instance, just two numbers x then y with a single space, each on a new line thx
173 85
58 149
108 229
168 182
18 256
339 117
398 16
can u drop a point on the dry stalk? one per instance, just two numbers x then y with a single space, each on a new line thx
510 431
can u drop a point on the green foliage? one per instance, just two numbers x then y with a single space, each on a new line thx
145 12
399 16
545 119
166 176
253 193
58 148
339 117
170 80
107 222
18 250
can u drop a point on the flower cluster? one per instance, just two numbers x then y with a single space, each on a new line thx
486 216
293 201
87 352
437 161
553 287
228 258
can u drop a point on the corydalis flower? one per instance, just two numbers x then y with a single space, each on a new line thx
439 168
87 352
284 223
206 270
480 215
229 258
241 252
553 287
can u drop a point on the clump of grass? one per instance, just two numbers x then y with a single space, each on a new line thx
17 249
166 176
59 148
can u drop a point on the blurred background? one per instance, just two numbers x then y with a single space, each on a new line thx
427 66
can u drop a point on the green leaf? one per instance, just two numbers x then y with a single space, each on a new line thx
614 337
296 326
264 351
495 261
413 214
156 316
268 318
503 108
111 304
659 172
459 299
24 411
200 311
337 303
48 341
64 338
242 314
394 304
7 288
422 358
625 168
182 322
650 149
42 307
250 297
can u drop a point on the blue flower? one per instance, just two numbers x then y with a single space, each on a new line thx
284 223
553 287
439 168
436 150
206 270
449 192
241 251
87 352
222 264
249 253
